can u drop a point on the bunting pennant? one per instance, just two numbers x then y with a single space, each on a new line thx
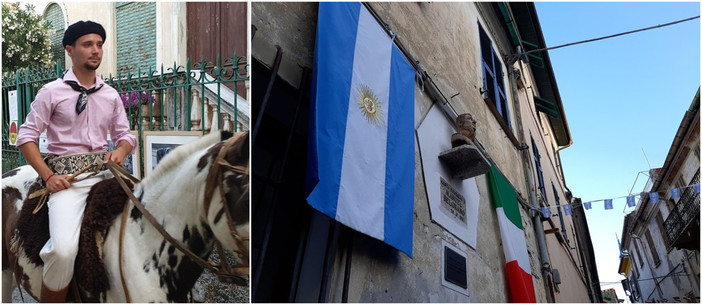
654 197
546 211
630 201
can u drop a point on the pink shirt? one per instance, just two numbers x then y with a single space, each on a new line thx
54 110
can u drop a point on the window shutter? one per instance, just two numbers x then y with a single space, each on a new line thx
136 36
652 247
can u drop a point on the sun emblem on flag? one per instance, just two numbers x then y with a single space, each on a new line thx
369 105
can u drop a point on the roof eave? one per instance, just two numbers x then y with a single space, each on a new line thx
528 26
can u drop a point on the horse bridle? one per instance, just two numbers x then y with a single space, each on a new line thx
214 179
224 271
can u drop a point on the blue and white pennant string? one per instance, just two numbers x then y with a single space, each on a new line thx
567 209
630 201
653 197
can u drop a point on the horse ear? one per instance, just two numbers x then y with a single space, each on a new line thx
226 135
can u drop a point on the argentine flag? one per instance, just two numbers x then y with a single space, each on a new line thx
360 168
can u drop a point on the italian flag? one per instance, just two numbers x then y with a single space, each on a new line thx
519 281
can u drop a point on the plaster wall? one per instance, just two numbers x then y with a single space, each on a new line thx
171 34
692 161
289 26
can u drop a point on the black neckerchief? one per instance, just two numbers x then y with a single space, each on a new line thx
83 97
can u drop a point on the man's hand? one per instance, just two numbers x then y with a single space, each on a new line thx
118 155
57 183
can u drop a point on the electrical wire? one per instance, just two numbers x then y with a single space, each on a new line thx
610 36
646 279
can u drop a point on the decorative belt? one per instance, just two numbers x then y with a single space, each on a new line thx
66 165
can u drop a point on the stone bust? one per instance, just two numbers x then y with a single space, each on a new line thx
466 130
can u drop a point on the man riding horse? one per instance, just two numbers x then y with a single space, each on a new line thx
76 111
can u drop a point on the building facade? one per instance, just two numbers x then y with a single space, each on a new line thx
470 58
661 240
153 34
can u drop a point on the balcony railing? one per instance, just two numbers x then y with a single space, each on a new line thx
682 224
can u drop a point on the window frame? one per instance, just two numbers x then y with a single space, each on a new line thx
638 253
539 168
57 51
661 227
652 247
560 215
492 68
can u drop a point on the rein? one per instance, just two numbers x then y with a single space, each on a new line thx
215 179
44 193
224 272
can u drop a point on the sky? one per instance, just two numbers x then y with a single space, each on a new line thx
624 99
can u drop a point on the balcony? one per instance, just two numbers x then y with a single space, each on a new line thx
683 224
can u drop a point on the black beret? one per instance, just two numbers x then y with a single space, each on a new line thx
80 28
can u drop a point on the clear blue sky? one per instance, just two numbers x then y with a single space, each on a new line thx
621 95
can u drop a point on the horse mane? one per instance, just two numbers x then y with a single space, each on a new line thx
175 157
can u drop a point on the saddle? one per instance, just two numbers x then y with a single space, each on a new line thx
105 201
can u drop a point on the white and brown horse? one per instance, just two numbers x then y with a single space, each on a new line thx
154 269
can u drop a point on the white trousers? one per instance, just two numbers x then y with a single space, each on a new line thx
66 209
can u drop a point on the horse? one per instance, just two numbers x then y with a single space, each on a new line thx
152 268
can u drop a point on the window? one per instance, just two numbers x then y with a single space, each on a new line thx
638 254
659 221
560 215
680 184
54 15
493 77
136 36
652 247
539 171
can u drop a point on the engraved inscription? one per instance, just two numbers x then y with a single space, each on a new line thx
452 202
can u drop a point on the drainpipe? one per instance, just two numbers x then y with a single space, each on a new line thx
536 216
538 228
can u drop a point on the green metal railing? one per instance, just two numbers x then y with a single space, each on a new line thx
155 100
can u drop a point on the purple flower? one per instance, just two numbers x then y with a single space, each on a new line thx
134 99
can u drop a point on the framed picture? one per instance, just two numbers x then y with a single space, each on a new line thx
132 163
157 144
